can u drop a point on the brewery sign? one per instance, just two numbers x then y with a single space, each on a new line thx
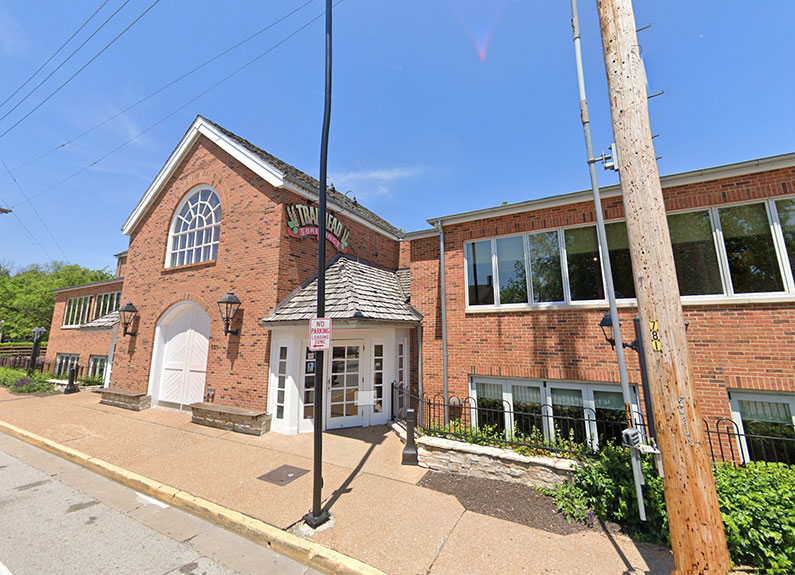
302 222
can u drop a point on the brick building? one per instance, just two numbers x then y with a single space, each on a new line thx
523 294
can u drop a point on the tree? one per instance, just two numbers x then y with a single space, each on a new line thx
27 298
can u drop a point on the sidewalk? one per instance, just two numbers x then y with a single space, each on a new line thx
382 517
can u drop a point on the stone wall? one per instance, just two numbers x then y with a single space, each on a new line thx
488 462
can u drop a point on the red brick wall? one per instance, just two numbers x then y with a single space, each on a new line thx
257 260
70 340
121 263
732 345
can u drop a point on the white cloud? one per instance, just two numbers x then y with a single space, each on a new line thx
373 183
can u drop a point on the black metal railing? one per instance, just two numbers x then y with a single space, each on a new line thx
569 430
534 426
59 370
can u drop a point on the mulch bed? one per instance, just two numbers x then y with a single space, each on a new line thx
510 501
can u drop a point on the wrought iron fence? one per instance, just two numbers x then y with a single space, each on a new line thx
567 430
58 370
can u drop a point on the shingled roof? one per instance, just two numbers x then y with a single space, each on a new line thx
308 181
102 323
354 290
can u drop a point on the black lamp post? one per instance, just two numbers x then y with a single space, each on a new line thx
229 305
37 332
127 314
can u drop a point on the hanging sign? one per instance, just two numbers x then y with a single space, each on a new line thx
319 334
656 344
302 222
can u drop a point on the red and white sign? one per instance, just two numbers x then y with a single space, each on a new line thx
319 334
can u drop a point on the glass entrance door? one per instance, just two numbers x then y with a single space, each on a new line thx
344 384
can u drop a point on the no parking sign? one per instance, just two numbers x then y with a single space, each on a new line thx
319 334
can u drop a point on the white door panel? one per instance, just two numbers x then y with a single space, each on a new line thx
186 342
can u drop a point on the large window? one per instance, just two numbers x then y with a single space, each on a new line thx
195 229
106 303
77 310
726 251
766 425
559 412
64 362
96 365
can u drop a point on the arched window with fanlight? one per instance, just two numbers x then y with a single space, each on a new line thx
195 229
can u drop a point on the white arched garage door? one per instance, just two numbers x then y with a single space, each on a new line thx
181 349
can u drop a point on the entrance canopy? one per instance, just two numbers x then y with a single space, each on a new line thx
354 291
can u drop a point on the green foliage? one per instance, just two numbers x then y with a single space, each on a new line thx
757 502
605 488
93 380
18 381
27 298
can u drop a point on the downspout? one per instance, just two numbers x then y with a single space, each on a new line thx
444 320
419 374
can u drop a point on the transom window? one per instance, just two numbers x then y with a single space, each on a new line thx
195 229
106 303
77 310
735 250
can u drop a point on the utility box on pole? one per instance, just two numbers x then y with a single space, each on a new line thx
697 536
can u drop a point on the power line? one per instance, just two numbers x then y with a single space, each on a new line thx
35 211
24 227
166 86
185 105
83 67
69 57
54 54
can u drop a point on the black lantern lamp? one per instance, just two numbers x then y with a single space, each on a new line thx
607 330
127 314
229 305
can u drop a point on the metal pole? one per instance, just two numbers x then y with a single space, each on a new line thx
318 516
444 322
600 222
644 380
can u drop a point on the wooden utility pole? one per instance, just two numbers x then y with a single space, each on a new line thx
697 536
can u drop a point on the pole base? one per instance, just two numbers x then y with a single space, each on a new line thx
315 522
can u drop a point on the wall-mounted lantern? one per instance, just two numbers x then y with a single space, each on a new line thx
229 305
127 314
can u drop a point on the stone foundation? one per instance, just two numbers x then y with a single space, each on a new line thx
488 462
125 399
236 419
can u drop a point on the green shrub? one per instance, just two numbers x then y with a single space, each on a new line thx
757 502
18 381
93 380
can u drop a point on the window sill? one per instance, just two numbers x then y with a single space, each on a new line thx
70 326
687 301
188 267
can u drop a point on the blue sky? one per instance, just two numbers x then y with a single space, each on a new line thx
440 106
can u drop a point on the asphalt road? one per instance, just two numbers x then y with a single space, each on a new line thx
56 517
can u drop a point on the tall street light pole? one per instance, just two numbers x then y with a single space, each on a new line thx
318 515
697 537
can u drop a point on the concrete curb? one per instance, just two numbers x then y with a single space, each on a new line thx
307 552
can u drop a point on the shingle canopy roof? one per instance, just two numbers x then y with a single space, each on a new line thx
104 322
354 290
308 181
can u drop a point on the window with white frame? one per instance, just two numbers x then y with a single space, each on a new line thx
766 425
551 411
96 365
281 382
195 230
309 383
743 250
64 362
77 310
106 303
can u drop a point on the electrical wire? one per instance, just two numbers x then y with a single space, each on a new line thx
69 57
35 211
83 67
165 86
54 54
183 106
24 227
